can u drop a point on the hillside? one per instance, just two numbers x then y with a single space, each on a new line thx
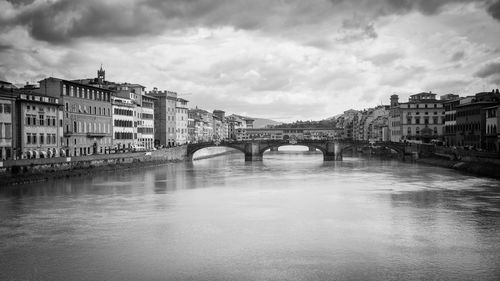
262 123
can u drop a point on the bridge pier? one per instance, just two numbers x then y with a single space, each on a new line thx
312 148
252 152
333 152
274 148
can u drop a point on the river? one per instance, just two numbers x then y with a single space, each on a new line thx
289 217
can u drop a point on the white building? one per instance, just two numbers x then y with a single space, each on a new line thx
419 120
181 126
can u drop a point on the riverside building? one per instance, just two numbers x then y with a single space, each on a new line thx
164 117
181 126
421 119
38 125
6 118
471 119
87 121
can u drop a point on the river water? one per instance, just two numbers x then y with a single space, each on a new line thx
289 217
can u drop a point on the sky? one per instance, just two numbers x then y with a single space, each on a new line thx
280 59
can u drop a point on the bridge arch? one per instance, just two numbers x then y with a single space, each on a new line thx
193 148
269 146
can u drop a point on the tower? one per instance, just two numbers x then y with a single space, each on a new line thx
394 100
101 75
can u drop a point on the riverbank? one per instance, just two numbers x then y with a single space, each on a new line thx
84 171
46 169
36 170
475 168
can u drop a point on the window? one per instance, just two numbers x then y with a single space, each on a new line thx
64 90
28 138
417 131
74 127
33 138
6 108
41 120
71 92
42 138
435 130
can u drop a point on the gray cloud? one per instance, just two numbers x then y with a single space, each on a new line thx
20 2
5 47
64 20
488 70
458 56
494 10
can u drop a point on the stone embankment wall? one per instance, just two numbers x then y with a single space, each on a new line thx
474 162
15 171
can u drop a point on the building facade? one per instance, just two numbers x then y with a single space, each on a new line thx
421 119
181 126
450 121
124 131
6 118
87 118
492 128
164 117
145 127
471 119
38 125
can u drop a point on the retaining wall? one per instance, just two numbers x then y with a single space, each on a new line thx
42 165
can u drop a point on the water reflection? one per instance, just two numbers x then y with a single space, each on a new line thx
289 217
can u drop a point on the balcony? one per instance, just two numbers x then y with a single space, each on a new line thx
96 135
68 133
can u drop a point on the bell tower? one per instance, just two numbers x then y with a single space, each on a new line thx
101 75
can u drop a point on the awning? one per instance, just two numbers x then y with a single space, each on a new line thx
62 152
36 153
43 154
50 153
29 154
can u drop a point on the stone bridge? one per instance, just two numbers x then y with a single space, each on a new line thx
254 149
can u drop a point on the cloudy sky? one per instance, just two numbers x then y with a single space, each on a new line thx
282 59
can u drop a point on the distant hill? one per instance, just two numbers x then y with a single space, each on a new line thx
262 123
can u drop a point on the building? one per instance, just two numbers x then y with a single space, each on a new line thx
471 119
182 135
38 125
244 134
450 121
7 99
146 124
142 107
493 128
203 124
421 119
124 131
236 122
222 126
87 121
164 117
